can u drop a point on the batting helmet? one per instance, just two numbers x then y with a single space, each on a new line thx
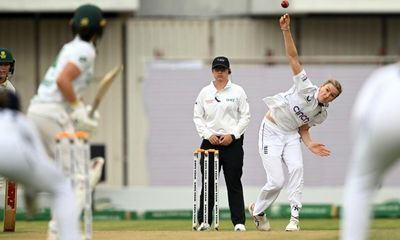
9 100
88 21
7 57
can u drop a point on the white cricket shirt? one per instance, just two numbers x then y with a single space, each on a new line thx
297 106
14 123
7 85
221 112
377 104
80 53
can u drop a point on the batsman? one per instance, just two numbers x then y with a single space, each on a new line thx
57 106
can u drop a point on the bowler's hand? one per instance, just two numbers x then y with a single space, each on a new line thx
214 140
284 21
225 140
319 149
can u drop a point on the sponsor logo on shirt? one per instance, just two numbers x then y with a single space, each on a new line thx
230 100
300 114
209 101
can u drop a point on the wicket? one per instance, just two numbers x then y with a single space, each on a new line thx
73 148
10 206
197 155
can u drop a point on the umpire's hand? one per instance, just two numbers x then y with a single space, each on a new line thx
214 140
225 140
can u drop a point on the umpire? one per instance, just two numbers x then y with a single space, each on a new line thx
221 116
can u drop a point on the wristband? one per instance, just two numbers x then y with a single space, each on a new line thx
74 103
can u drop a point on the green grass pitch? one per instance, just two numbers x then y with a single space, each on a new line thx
311 229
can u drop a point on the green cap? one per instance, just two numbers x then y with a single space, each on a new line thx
7 57
89 17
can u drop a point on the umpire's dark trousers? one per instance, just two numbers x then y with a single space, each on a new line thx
231 161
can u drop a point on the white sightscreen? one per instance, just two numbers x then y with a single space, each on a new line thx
170 93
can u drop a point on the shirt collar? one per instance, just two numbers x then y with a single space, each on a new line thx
325 105
79 39
228 85
4 84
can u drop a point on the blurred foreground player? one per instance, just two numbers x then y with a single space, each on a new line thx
25 161
376 132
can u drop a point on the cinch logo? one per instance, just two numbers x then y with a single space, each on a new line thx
300 114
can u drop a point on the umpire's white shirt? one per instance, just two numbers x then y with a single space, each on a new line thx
221 112
82 54
297 106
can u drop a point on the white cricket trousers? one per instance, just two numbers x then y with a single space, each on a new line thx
376 150
278 150
49 119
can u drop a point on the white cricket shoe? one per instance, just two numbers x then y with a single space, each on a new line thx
239 228
293 226
204 227
52 236
95 171
52 232
261 222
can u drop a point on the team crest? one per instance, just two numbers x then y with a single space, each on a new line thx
3 55
84 22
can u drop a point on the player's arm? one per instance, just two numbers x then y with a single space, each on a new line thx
64 82
290 47
316 148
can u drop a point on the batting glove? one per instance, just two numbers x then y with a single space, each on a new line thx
81 119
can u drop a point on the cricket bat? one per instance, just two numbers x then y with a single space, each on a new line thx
103 87
10 206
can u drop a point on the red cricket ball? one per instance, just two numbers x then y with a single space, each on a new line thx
285 3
